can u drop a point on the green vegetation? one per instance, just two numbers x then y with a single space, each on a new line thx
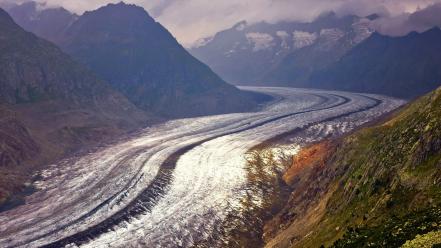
395 231
424 241
379 187
391 191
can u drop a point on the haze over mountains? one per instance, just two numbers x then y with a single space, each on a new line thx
298 54
312 55
286 51
123 45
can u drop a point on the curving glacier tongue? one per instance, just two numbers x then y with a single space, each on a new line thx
170 185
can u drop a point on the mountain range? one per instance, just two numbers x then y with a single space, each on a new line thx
331 52
266 53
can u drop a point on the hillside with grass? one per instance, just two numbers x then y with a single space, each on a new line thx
378 187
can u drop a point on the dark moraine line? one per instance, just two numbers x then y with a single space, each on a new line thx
149 197
300 129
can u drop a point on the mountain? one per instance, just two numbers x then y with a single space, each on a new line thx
49 23
405 67
281 53
123 45
140 58
50 106
377 187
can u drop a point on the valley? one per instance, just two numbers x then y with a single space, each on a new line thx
172 183
205 124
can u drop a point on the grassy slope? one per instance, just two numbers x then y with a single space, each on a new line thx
380 187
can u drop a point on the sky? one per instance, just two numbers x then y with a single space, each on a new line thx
190 20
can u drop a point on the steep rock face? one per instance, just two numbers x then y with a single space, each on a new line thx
380 186
280 53
406 66
50 105
140 58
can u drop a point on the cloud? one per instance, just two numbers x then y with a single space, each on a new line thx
419 21
190 20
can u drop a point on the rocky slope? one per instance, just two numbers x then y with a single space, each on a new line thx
378 187
50 105
406 66
284 52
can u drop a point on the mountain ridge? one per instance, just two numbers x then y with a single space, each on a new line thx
255 53
406 66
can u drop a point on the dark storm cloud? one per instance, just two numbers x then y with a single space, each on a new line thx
190 20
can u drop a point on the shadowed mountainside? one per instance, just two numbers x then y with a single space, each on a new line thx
126 47
140 58
405 67
50 105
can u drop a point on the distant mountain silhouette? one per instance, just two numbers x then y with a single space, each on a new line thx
406 66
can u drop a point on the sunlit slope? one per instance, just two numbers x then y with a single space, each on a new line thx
380 186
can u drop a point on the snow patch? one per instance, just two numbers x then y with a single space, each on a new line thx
303 39
261 41
202 42
331 34
284 36
330 37
363 29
